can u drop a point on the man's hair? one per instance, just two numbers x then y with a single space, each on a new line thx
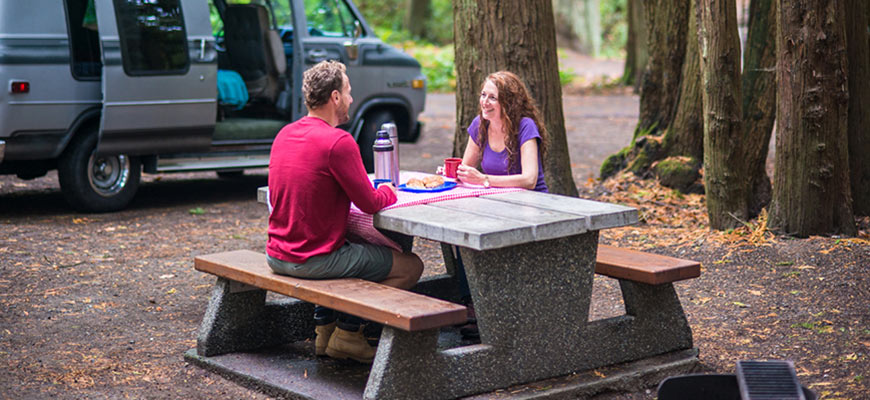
319 81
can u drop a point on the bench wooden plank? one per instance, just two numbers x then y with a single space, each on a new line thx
375 302
653 269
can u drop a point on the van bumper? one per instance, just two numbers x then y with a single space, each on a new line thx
2 149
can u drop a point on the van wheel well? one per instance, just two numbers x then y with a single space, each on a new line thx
95 183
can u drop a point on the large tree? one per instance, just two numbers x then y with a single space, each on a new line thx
417 11
636 51
858 47
668 139
660 86
811 191
759 99
519 36
578 25
724 162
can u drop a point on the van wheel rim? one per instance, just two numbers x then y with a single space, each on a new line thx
108 175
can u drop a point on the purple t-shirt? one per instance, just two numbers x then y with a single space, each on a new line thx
496 163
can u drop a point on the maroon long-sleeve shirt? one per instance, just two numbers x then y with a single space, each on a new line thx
315 172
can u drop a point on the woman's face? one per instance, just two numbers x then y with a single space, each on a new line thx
489 106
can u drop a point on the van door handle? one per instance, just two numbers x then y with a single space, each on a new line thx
317 55
201 49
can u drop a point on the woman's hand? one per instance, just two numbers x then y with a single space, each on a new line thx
469 175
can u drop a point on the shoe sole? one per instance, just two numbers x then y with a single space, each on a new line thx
340 355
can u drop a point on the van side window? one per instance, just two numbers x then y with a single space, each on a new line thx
153 39
330 18
84 40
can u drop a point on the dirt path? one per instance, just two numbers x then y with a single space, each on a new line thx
104 305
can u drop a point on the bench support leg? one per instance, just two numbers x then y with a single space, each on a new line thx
657 308
242 320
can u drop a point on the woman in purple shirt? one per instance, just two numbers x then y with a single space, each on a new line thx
508 142
501 137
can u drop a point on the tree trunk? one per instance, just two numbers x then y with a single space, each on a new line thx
759 99
858 47
415 17
685 136
660 86
579 25
811 184
519 36
636 50
675 111
724 163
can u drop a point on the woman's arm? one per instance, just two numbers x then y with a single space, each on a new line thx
471 157
527 179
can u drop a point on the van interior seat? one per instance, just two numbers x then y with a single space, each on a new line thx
255 50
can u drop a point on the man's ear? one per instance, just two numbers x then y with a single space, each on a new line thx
335 96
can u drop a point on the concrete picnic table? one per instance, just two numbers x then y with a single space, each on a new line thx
530 260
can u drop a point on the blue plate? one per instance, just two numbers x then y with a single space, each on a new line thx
445 186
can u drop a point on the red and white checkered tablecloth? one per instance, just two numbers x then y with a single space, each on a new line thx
360 227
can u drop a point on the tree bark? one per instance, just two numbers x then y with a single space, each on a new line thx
636 50
759 99
858 47
519 36
811 183
415 17
724 164
685 136
671 124
660 86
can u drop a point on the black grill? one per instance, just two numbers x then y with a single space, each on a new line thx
768 380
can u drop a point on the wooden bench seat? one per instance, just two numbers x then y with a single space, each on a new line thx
375 302
638 266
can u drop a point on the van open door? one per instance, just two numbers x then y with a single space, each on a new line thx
159 76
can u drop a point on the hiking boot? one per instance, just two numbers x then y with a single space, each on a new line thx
345 344
324 333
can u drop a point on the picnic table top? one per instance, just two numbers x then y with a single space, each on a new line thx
501 220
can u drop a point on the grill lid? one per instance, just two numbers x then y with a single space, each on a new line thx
768 380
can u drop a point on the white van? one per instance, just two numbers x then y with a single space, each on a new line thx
102 90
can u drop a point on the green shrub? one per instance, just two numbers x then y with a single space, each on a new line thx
437 63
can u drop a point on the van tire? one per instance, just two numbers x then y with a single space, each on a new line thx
93 183
366 140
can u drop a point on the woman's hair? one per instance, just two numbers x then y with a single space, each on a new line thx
319 81
516 104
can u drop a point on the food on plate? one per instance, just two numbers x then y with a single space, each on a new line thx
415 183
433 181
429 182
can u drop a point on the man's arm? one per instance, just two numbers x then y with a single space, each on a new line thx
347 167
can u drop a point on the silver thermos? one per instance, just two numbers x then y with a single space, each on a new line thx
383 151
386 152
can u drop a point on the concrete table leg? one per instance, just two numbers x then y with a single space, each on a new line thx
532 303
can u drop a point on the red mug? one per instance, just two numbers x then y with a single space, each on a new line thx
450 166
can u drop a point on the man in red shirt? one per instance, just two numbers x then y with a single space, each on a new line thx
315 172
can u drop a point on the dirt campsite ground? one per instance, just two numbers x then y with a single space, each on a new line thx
104 305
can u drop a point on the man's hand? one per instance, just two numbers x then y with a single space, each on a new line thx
389 185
